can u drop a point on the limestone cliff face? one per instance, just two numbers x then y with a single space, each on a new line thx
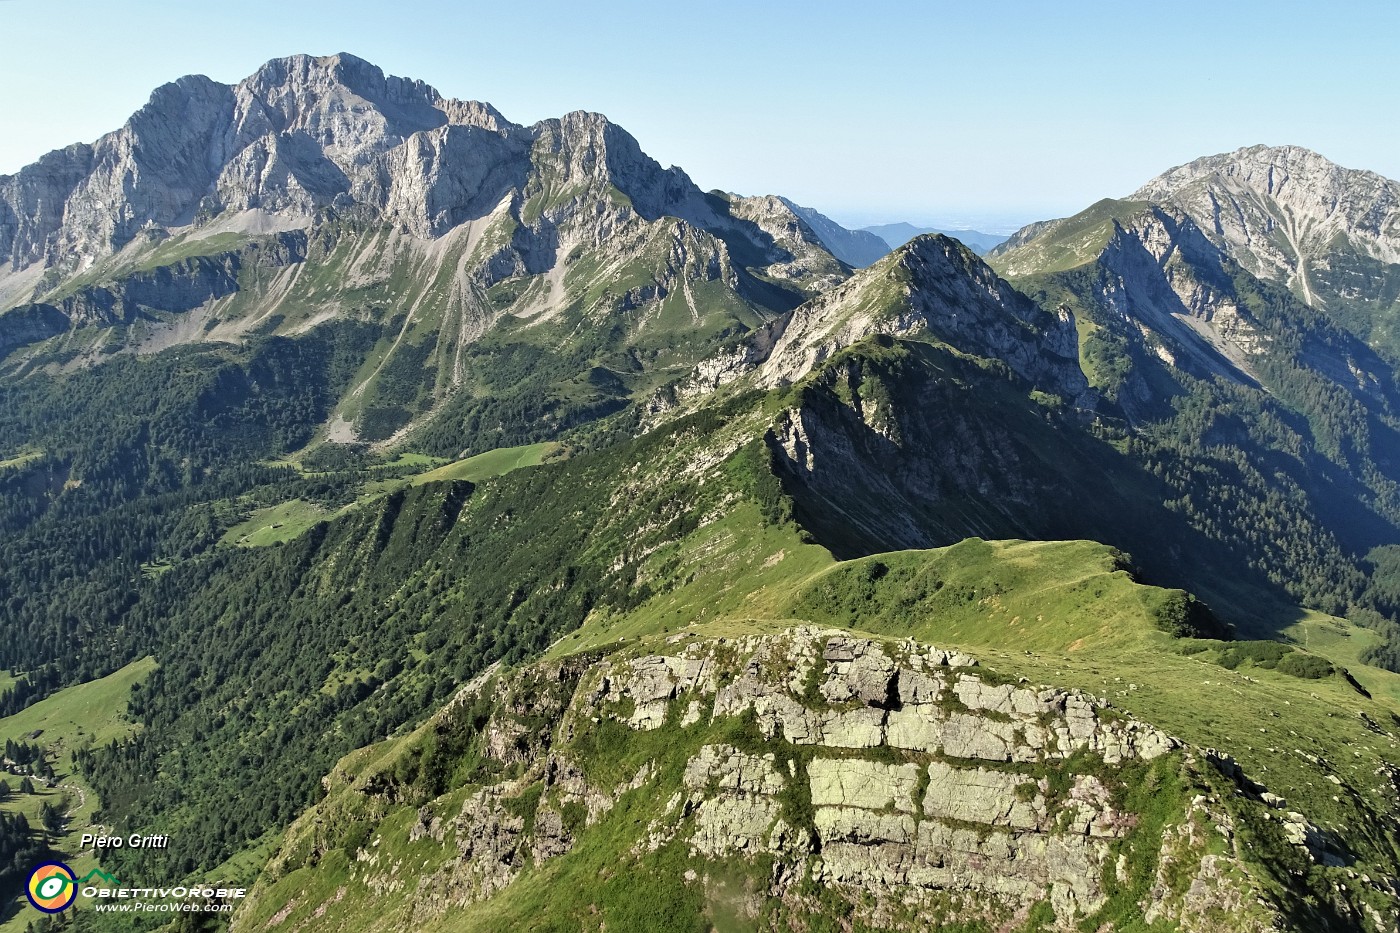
438 217
1161 273
856 248
895 777
1173 293
1286 214
1154 269
304 135
300 134
787 230
1280 211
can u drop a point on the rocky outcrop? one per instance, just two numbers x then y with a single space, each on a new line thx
900 828
433 219
31 324
794 252
178 287
1290 216
733 797
1160 271
300 134
305 136
810 772
859 766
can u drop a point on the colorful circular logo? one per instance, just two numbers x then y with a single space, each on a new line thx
52 887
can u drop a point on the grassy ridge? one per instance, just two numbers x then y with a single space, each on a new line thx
1067 613
1063 613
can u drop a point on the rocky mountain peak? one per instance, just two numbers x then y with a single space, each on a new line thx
1288 214
935 255
1290 174
331 151
296 86
300 87
591 150
300 134
934 289
343 106
1299 180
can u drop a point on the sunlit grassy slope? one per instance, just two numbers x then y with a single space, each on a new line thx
1063 613
86 714
93 711
490 464
276 523
287 520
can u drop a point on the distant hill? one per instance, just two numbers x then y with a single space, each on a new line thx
896 235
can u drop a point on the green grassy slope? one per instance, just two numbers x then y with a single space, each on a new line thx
491 464
1064 244
1063 613
75 718
1066 613
346 633
275 524
88 713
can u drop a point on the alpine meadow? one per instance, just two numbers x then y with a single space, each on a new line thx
412 520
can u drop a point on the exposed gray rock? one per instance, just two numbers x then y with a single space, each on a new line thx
918 688
869 785
652 682
916 728
438 199
932 286
996 798
858 671
731 795
967 735
940 857
1005 699
551 838
1285 212
726 769
861 827
900 828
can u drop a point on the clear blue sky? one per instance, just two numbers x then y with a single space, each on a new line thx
935 111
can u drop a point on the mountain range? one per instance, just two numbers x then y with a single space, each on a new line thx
436 221
468 525
896 235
